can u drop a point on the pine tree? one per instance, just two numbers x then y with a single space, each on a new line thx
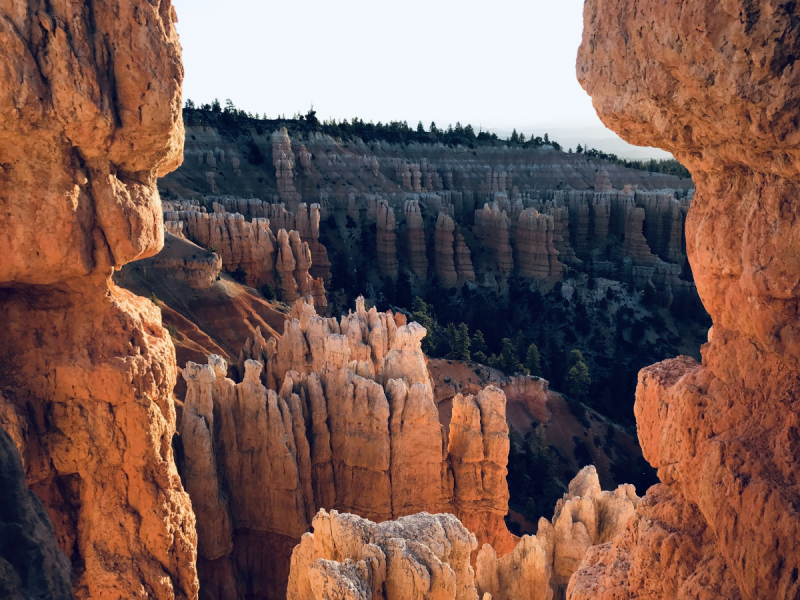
479 348
578 379
514 137
420 313
533 361
508 361
420 127
459 349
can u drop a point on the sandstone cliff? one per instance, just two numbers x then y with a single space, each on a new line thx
348 184
90 117
722 433
491 227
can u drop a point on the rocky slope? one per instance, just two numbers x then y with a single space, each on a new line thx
86 127
723 432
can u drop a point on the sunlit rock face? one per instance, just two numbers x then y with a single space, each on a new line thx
90 116
338 414
716 85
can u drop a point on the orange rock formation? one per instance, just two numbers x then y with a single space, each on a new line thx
90 115
347 421
428 556
716 85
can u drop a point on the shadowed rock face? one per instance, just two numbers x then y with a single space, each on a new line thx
715 84
90 97
31 564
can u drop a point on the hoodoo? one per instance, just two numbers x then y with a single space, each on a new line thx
716 85
90 116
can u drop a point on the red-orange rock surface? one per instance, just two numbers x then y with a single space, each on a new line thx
90 115
717 85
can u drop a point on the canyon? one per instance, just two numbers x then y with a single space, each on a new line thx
189 412
388 199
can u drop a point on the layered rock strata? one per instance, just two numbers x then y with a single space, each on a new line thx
602 183
463 259
91 116
305 220
184 261
723 432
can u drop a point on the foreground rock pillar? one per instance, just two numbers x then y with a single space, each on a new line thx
717 85
90 116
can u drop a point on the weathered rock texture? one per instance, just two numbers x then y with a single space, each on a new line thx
540 566
284 161
90 105
338 414
415 558
31 563
716 85
463 259
403 558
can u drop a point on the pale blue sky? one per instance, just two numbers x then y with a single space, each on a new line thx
499 64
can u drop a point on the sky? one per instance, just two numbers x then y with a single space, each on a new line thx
500 65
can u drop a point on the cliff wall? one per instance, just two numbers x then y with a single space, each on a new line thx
715 84
90 116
